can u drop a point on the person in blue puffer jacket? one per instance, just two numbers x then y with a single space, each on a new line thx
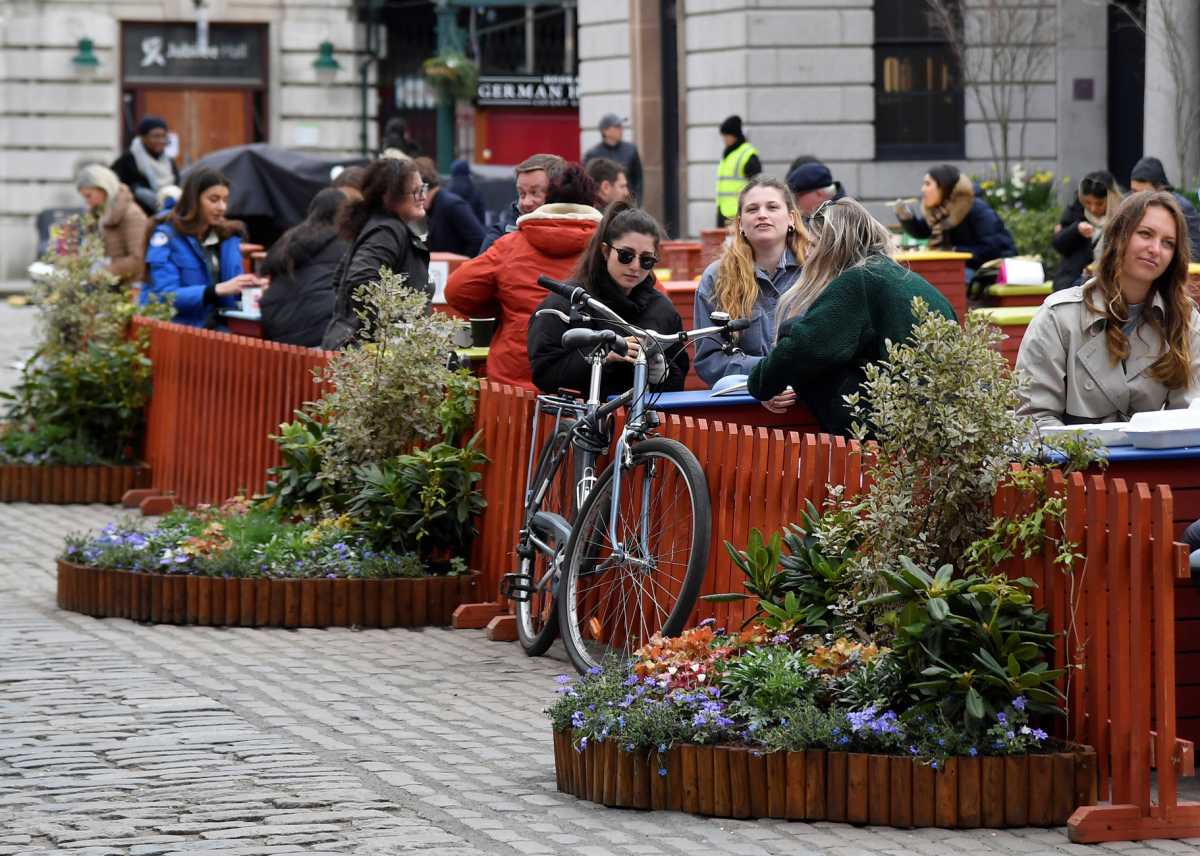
195 254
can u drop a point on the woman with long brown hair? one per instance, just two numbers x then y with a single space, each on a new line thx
759 263
195 254
1127 340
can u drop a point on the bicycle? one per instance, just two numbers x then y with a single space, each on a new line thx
614 558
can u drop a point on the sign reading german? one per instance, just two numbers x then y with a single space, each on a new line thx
528 90
168 53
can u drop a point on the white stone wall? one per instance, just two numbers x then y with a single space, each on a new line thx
604 67
56 117
801 75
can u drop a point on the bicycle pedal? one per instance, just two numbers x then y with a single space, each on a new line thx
518 587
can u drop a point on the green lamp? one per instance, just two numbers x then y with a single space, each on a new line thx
86 58
325 60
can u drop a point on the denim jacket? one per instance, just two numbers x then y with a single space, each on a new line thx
755 340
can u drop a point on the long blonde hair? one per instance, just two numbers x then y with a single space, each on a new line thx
735 289
844 236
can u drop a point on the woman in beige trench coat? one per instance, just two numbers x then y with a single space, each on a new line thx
1126 341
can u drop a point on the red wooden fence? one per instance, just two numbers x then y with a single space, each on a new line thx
1115 611
216 399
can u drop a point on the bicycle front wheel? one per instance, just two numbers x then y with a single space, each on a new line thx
621 588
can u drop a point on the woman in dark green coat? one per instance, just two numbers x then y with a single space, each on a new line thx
851 299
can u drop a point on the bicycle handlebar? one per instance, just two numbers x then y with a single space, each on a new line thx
578 297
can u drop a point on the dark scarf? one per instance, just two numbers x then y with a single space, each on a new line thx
628 307
741 138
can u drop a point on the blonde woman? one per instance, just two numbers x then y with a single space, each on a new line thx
759 265
1129 339
850 300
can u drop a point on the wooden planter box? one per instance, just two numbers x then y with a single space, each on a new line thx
882 790
69 485
221 602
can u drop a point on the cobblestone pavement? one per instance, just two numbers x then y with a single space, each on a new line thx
120 738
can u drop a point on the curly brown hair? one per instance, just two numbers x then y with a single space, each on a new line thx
1173 368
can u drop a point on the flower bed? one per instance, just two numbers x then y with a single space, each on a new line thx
817 784
63 484
261 602
776 722
253 567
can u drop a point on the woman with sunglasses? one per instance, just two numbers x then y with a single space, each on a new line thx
617 268
760 263
851 299
376 226
502 282
1126 341
1078 232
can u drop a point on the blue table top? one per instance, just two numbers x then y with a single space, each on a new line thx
691 399
1132 454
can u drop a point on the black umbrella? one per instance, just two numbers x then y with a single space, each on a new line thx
271 183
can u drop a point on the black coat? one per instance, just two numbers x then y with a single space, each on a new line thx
383 242
297 307
981 233
505 223
127 170
624 153
453 226
555 367
1076 251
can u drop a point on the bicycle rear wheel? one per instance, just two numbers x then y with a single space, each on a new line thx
547 519
613 597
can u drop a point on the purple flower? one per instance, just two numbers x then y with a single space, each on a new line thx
662 771
779 639
577 719
972 751
1039 734
562 679
1019 702
631 680
594 670
708 622
1001 718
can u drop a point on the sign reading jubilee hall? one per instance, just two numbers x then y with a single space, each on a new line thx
161 53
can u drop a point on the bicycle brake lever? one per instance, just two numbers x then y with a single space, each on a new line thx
561 316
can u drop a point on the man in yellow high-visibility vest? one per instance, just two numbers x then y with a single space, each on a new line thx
739 163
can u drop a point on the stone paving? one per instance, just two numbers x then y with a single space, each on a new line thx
120 738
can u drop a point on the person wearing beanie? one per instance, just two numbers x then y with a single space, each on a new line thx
144 167
1148 174
739 164
119 221
812 184
612 147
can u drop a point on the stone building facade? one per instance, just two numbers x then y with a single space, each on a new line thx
59 115
805 76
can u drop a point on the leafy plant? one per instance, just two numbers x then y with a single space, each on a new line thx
799 588
385 395
297 484
766 681
425 501
969 645
941 411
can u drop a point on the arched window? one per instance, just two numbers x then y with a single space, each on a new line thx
918 92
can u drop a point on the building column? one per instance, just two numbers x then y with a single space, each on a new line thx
1172 102
1082 91
645 46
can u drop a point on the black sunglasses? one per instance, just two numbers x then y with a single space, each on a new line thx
626 255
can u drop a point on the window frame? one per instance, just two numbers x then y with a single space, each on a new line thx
949 150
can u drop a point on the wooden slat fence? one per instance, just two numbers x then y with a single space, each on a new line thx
216 398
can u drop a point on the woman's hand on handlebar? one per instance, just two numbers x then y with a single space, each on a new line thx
781 402
630 356
238 283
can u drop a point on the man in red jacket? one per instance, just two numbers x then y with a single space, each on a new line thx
502 283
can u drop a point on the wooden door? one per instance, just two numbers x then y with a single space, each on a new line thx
204 119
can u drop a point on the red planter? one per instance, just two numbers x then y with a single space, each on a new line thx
159 598
886 790
62 485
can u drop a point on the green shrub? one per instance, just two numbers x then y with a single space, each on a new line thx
1033 232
